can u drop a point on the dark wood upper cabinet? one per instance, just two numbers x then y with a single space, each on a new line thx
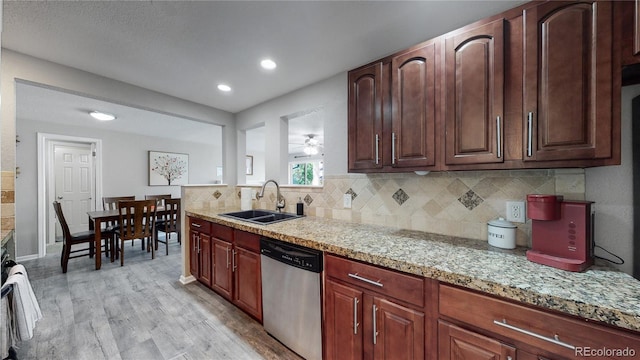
628 15
474 95
365 118
568 81
413 77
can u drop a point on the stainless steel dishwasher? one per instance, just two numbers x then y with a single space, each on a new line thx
291 303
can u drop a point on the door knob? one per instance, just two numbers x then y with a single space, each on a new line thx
59 197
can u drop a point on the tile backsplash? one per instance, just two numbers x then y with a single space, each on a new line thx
7 201
450 203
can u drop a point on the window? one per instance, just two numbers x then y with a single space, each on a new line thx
306 173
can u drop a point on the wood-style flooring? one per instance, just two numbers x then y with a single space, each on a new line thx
138 311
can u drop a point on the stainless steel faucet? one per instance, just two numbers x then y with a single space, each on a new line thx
280 202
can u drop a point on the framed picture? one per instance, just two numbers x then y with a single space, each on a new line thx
168 168
249 165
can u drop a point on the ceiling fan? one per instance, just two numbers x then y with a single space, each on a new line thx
311 145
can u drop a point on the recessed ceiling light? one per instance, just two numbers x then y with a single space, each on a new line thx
268 64
223 87
102 116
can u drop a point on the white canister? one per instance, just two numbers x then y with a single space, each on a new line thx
501 233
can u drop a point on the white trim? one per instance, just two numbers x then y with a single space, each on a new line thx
45 172
26 258
184 280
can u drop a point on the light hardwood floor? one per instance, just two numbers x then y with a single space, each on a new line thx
138 311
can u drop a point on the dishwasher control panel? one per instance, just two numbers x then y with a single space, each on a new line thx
291 254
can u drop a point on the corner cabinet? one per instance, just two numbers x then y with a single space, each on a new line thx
474 95
200 250
372 312
568 81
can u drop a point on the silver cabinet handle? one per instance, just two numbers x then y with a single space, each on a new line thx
555 339
227 257
393 148
233 260
195 225
377 149
529 133
375 326
499 136
355 316
358 277
198 239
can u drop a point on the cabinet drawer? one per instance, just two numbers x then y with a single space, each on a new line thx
551 332
388 282
199 225
247 241
222 232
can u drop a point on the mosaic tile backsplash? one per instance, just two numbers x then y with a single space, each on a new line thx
450 203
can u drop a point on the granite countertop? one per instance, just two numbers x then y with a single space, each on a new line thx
600 293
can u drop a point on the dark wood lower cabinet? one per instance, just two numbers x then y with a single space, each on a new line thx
222 272
200 250
343 321
456 343
247 293
399 330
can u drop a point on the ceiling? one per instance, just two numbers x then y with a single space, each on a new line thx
185 48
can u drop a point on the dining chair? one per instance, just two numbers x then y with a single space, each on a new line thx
171 223
137 219
88 237
111 203
159 198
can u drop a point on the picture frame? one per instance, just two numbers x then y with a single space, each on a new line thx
168 169
249 165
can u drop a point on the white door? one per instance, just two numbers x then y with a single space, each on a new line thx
74 184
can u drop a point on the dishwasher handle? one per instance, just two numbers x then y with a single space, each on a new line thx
292 254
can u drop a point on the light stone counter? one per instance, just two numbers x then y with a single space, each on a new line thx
600 293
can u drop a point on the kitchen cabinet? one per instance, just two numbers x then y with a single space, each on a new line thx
628 15
413 136
200 250
474 95
392 112
365 117
478 323
372 312
222 248
456 343
247 276
568 81
236 268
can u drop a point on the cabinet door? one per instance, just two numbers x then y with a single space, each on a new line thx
222 272
194 254
365 118
413 108
205 259
568 81
343 323
456 343
248 290
474 87
398 332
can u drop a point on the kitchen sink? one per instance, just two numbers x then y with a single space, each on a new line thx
261 216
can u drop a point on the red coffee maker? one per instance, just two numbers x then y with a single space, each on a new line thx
561 232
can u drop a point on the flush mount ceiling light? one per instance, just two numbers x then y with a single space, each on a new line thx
102 116
223 87
268 64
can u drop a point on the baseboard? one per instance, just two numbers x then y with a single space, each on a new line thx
187 280
27 257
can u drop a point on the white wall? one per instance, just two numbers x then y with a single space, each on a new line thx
331 95
611 187
20 66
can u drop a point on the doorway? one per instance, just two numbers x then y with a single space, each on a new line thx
69 171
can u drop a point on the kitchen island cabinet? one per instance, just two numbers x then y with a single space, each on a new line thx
372 313
200 249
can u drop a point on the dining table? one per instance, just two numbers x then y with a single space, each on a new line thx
97 218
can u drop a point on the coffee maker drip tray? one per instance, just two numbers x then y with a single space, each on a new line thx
575 265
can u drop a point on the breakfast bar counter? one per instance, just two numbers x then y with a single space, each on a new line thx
600 293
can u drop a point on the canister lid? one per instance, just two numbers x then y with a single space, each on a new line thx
501 222
543 198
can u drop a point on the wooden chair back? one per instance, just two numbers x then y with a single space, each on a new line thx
137 219
66 234
172 215
160 199
111 203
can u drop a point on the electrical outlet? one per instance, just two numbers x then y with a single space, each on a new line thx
346 201
516 211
